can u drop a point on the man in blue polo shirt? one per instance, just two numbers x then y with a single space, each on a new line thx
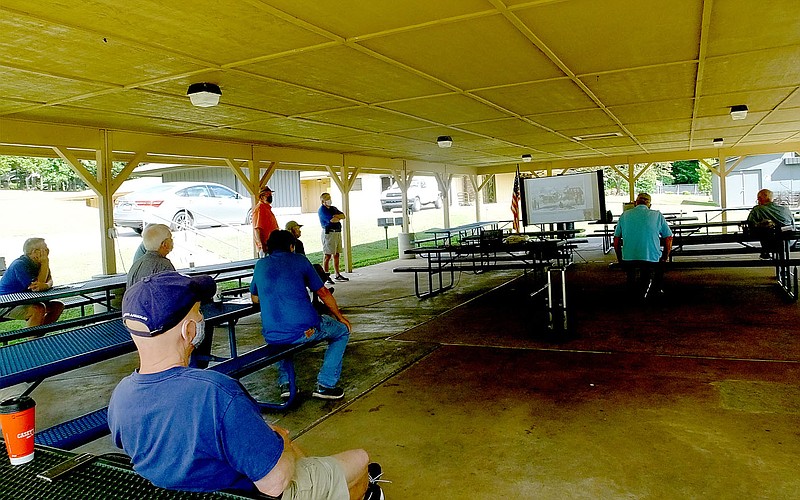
330 218
637 242
287 316
31 273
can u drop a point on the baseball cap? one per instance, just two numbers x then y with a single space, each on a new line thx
292 224
162 300
265 189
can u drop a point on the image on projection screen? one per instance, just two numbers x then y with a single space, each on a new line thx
564 198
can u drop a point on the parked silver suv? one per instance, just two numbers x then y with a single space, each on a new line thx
421 191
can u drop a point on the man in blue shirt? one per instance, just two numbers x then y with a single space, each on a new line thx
198 430
31 273
279 284
637 242
330 218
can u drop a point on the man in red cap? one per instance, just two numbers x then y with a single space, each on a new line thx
264 221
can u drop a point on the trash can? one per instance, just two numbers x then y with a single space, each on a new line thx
405 241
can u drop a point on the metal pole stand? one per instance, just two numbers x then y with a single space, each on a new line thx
557 300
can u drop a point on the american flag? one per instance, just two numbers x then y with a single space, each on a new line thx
515 202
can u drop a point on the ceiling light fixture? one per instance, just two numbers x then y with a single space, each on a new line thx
718 141
204 95
526 158
739 112
604 135
444 141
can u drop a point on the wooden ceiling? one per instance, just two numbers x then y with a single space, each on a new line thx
384 78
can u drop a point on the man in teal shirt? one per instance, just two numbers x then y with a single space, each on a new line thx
637 242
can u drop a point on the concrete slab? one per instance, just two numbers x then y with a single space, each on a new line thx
467 395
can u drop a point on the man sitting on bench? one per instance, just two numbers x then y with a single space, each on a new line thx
767 218
288 317
31 273
637 243
198 430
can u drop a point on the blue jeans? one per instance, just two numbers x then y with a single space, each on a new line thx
337 335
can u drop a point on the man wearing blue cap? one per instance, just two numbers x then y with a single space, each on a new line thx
198 430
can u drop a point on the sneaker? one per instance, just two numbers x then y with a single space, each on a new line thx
375 472
339 277
285 392
329 282
328 392
374 491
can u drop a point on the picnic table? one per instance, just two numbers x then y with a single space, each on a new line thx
107 476
726 244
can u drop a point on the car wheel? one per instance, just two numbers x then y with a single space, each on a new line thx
417 205
438 202
138 230
182 220
249 218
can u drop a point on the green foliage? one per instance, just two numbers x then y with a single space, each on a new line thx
52 174
686 172
704 181
616 184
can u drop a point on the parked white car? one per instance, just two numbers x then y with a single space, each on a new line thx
421 191
181 205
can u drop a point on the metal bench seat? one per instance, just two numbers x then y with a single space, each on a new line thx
94 425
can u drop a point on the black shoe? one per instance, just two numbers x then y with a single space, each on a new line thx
339 277
328 392
374 491
285 392
329 282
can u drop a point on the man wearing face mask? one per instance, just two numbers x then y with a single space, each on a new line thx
198 430
330 218
264 221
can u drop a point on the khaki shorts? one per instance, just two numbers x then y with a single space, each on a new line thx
20 312
331 242
317 478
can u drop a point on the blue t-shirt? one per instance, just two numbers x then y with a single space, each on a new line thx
280 281
641 230
325 215
19 275
194 430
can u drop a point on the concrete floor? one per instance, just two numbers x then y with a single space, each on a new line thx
466 395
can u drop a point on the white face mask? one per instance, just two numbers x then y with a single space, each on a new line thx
199 332
327 203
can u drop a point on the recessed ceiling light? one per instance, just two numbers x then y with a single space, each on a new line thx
444 141
526 158
605 135
204 95
718 141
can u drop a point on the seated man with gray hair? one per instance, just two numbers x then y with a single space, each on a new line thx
31 273
157 239
638 237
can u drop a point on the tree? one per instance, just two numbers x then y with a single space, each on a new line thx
704 182
686 171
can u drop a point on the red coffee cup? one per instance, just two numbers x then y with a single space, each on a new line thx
18 420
